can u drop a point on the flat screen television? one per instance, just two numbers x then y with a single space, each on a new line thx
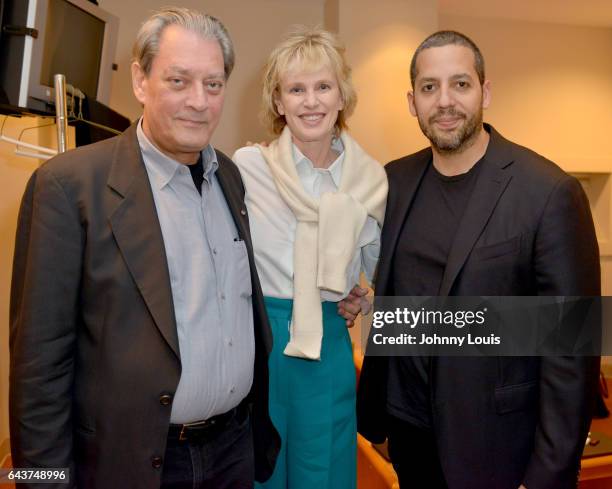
43 37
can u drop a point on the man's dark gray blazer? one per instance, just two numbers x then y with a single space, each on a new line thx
527 230
93 338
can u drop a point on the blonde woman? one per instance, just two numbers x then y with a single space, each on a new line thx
316 202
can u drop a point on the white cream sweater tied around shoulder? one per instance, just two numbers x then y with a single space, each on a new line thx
327 231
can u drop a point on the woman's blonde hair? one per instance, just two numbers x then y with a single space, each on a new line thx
309 48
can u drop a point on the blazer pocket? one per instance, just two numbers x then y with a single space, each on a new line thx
517 397
508 247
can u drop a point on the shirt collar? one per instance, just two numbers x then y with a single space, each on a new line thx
304 166
162 168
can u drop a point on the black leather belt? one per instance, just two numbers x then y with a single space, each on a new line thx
204 430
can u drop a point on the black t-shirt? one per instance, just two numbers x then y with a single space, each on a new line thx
420 259
197 174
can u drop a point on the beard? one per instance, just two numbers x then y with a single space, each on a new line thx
454 141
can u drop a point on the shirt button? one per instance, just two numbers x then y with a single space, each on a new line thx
156 462
222 297
232 390
243 212
165 399
214 251
230 342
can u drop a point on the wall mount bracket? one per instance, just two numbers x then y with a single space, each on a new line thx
19 30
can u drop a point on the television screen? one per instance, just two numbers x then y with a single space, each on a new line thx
73 46
40 38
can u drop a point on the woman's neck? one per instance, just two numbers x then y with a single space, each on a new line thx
320 153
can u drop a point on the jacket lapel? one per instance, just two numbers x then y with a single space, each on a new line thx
234 200
402 194
136 228
490 185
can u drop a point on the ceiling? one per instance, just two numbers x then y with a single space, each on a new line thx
574 12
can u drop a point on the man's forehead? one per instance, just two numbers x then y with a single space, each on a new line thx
183 50
447 61
173 31
177 34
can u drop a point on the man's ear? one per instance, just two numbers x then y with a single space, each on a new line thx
486 94
411 105
139 82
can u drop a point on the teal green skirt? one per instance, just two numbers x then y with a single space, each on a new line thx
312 405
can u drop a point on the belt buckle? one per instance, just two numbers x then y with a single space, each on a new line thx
182 436
203 425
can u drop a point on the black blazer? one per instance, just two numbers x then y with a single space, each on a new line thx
93 337
527 230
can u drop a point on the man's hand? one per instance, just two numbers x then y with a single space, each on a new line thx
354 303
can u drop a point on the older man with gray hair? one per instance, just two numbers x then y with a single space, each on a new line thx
138 336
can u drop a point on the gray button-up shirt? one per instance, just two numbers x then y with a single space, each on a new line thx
211 286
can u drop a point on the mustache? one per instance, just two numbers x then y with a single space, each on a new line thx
445 113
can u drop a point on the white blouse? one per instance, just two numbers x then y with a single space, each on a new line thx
273 224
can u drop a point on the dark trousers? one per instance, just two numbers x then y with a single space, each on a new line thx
223 461
414 456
